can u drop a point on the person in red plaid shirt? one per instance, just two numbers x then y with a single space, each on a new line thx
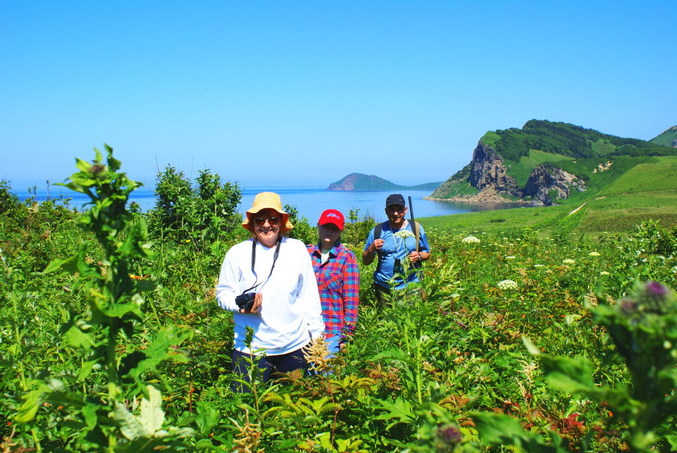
338 279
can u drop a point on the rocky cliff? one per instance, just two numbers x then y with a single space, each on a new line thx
487 170
548 184
488 174
544 162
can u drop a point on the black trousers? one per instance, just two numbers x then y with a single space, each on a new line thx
266 366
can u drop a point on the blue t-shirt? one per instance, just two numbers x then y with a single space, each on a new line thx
396 247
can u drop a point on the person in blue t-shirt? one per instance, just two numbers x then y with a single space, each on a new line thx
395 242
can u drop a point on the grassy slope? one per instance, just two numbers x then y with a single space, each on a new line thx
526 164
645 191
667 137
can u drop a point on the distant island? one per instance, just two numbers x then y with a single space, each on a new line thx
362 182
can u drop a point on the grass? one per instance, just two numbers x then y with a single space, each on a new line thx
646 191
526 164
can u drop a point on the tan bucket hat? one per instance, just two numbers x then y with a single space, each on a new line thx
267 200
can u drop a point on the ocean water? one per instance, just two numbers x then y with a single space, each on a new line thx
309 201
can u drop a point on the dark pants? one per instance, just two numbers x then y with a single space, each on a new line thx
383 295
386 296
268 366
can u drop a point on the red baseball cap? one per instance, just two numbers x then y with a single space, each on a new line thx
332 216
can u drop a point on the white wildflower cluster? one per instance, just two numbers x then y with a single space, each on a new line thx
510 257
594 254
568 261
403 234
507 284
470 240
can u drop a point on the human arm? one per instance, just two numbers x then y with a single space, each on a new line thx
232 282
310 295
228 286
351 292
417 257
423 252
371 248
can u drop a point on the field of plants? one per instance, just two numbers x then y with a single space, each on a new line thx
521 339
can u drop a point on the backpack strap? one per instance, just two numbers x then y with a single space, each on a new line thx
377 231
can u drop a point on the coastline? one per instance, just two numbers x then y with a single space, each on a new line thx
485 197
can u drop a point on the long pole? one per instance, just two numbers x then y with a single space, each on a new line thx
419 264
413 223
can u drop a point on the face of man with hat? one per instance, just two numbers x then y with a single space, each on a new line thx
266 219
396 210
329 228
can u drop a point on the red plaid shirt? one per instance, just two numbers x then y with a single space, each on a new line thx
338 280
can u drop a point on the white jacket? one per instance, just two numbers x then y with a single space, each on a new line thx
291 312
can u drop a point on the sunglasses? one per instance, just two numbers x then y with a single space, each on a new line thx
263 220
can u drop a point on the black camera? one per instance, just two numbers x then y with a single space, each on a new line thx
245 301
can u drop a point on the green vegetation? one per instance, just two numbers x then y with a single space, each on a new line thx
667 138
629 192
526 164
571 141
584 153
111 340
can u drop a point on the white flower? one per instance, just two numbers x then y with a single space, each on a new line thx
403 234
470 240
506 284
539 265
593 254
568 261
604 273
510 257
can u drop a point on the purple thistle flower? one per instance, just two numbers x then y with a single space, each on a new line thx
449 434
655 289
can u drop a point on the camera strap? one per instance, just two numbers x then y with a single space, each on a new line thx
275 255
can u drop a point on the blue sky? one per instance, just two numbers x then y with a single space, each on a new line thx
279 94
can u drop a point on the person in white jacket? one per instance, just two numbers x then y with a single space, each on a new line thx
269 284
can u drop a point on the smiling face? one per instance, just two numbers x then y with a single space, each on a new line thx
329 234
396 215
266 226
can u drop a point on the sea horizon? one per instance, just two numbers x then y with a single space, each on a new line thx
309 201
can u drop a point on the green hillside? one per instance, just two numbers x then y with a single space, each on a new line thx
667 138
582 152
567 140
639 189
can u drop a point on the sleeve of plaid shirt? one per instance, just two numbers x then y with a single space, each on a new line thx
351 291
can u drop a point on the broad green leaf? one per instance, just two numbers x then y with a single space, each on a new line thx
152 415
161 349
401 410
569 374
32 401
207 417
89 413
76 337
57 264
130 427
498 428
82 165
86 369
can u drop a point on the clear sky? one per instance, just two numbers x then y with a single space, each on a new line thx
280 94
